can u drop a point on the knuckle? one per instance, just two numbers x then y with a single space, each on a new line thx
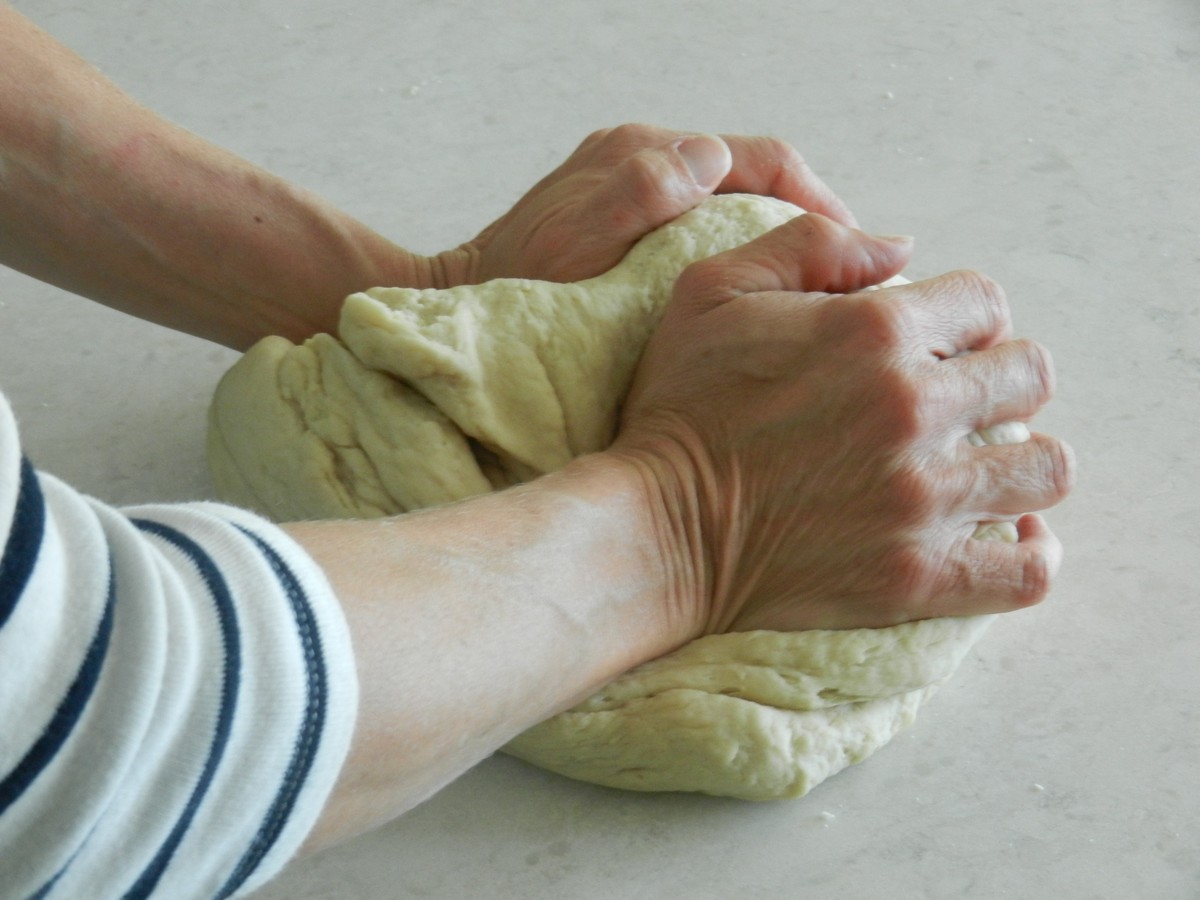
988 295
628 134
1039 369
901 411
643 174
1060 469
814 228
775 158
596 137
982 287
1036 578
601 137
820 244
783 152
886 323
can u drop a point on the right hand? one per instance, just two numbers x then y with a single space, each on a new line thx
805 446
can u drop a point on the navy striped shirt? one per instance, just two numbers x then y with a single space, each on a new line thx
177 693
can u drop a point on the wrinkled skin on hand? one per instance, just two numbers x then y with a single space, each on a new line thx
619 185
806 444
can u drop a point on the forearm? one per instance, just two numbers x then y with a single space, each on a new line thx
474 622
101 197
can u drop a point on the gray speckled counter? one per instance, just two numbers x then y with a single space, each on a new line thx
1052 145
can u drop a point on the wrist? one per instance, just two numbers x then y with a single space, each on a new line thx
456 266
660 515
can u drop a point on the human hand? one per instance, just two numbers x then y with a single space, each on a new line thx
806 452
620 184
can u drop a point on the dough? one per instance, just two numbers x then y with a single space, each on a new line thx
427 396
522 376
760 715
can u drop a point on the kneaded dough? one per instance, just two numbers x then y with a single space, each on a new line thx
431 396
501 382
760 715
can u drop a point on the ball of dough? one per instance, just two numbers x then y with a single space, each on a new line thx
430 396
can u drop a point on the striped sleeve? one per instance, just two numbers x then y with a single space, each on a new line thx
177 694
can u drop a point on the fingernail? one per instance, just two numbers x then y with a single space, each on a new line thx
895 238
707 159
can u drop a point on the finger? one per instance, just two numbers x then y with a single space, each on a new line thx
808 253
607 147
996 576
1013 479
1005 383
657 185
769 166
957 312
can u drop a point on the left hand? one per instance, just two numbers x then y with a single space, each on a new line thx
620 184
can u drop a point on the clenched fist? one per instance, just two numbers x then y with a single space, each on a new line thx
804 441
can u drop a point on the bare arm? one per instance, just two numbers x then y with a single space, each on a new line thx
103 198
475 622
100 196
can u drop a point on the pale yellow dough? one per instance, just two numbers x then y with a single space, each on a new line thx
426 397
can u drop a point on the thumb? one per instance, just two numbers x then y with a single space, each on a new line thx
658 185
809 253
707 160
823 255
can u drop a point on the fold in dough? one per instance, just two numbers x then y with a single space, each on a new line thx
430 396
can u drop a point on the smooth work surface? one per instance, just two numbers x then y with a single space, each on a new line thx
1052 145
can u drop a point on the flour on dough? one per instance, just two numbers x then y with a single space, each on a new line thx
430 396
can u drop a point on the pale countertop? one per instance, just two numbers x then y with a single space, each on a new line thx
1052 145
